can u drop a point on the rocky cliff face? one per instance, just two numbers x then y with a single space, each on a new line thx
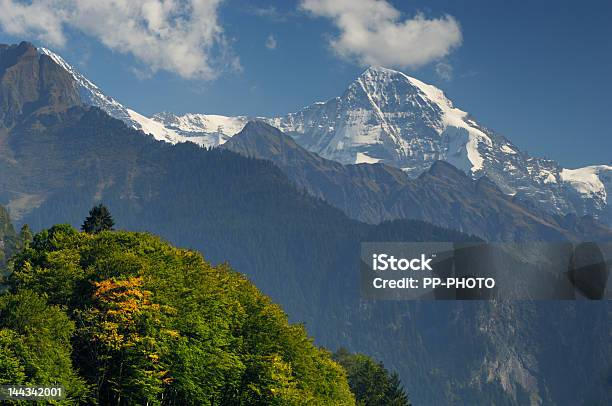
31 82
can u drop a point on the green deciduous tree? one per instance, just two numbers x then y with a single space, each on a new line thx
35 344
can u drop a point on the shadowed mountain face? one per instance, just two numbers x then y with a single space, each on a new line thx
58 160
31 82
442 195
32 87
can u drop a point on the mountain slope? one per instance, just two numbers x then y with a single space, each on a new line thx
201 129
30 83
442 195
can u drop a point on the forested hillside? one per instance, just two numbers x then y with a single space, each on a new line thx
124 318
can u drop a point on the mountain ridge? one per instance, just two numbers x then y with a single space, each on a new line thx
442 195
92 95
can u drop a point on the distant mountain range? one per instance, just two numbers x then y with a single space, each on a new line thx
385 116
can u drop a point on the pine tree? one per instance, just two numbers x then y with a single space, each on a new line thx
25 236
99 220
396 394
370 381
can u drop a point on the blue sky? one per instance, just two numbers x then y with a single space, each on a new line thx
536 72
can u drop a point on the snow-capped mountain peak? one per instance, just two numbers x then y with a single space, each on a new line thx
388 116
449 116
208 123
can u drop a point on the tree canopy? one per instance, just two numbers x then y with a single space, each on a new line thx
125 318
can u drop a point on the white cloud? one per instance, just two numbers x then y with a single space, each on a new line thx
36 19
180 36
372 32
444 71
271 42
